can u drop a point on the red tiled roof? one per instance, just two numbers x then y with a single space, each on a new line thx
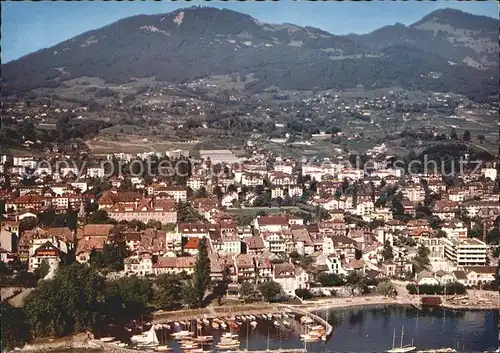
254 243
192 243
94 230
85 245
272 220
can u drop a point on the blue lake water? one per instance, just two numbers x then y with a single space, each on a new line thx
370 329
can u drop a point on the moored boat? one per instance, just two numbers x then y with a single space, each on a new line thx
401 349
229 335
163 349
189 346
228 343
182 335
309 338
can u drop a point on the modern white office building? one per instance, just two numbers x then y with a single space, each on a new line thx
466 252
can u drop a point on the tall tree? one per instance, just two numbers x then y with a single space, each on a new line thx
467 135
453 135
201 276
421 261
387 253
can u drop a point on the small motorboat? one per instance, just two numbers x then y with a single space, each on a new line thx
310 338
107 339
223 325
306 320
228 343
189 346
229 335
182 335
286 323
204 339
276 323
163 349
253 324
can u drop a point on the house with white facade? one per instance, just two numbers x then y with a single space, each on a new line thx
290 278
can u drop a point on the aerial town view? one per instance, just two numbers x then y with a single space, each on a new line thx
280 177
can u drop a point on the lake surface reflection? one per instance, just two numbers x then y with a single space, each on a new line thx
370 329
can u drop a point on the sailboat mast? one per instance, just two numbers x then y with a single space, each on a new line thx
402 333
394 339
268 339
247 335
279 335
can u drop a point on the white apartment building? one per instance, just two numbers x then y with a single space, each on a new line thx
277 192
455 230
95 172
466 252
436 247
414 193
179 193
490 173
195 183
365 208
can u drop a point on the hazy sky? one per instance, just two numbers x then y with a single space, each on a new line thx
29 26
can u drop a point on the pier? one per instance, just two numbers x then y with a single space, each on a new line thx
168 316
323 322
294 350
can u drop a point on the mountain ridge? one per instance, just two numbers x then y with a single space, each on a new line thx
197 42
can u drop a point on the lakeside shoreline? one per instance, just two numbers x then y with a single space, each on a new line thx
378 301
81 341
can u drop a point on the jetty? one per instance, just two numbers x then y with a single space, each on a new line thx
281 350
320 320
163 317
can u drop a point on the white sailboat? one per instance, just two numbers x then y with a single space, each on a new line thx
401 349
150 340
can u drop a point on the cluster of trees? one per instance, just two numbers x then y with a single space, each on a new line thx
79 298
421 261
16 274
330 280
450 288
268 291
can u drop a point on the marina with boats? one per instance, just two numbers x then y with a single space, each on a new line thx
222 334
231 334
